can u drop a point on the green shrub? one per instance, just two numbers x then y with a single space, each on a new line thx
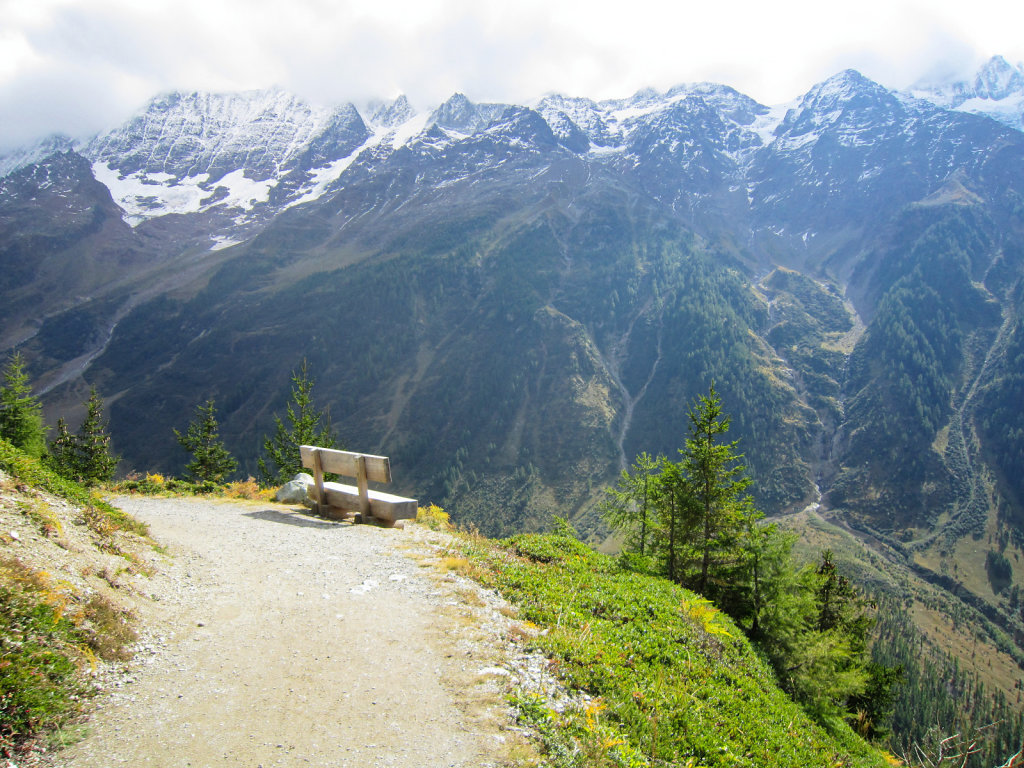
543 548
434 517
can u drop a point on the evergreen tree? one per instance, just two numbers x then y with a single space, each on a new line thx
832 671
696 520
306 426
21 420
95 462
63 458
85 456
629 507
211 462
772 598
716 485
674 532
689 515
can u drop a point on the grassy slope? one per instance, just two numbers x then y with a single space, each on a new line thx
32 472
672 680
50 633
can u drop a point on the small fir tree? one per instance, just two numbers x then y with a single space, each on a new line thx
211 462
21 419
62 457
306 426
629 507
85 456
96 464
717 486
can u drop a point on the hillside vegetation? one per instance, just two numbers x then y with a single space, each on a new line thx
669 680
60 613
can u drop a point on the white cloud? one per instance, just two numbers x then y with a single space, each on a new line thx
77 65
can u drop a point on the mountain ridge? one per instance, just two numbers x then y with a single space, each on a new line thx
206 136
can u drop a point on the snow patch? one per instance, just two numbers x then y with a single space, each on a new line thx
322 178
220 242
145 196
406 131
596 150
764 125
793 143
245 193
1002 110
627 114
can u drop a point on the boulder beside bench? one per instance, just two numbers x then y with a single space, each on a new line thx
341 501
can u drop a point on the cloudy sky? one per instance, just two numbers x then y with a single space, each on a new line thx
78 66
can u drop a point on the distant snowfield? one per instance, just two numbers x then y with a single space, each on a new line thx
1009 111
145 196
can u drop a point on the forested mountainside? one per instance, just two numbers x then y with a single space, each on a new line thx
512 301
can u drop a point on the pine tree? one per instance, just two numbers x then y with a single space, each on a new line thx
674 520
85 456
95 462
21 420
716 485
63 458
211 462
306 426
629 507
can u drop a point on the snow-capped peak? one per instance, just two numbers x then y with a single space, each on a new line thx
998 79
186 134
841 88
390 114
996 91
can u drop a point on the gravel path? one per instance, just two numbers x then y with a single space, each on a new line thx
277 639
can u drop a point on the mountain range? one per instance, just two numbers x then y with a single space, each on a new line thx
513 301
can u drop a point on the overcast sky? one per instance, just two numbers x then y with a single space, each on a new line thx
79 66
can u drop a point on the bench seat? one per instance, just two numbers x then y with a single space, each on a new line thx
383 506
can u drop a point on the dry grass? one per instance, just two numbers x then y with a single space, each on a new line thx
42 514
470 597
458 564
248 489
108 628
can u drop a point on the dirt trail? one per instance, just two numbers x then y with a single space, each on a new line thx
279 639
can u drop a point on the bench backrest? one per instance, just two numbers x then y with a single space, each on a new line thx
378 468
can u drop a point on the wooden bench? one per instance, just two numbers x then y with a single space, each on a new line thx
342 501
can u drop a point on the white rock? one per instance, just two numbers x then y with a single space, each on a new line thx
293 492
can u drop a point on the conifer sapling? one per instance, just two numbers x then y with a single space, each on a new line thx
211 461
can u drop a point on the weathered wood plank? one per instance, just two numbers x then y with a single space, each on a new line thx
383 506
338 500
318 480
364 499
378 468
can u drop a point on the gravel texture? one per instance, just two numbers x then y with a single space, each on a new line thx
274 638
